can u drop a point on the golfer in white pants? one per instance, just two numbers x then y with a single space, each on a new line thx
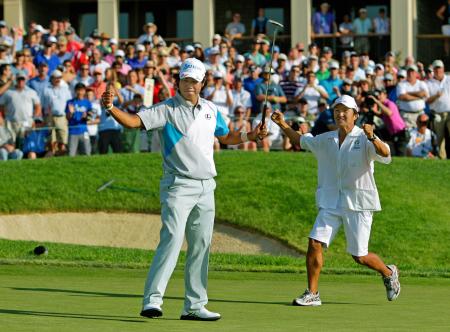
346 194
188 126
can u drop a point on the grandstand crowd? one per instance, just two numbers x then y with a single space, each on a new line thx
51 82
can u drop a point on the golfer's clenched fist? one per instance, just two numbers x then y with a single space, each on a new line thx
278 118
107 97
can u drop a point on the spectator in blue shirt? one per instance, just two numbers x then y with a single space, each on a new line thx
249 84
332 84
275 94
48 55
77 111
325 120
40 82
140 59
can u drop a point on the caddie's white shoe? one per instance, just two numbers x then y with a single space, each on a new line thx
201 314
308 299
392 283
151 311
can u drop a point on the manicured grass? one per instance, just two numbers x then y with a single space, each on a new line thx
271 193
94 299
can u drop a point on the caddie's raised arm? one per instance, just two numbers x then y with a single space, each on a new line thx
293 135
126 119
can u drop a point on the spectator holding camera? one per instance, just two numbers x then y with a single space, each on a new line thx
395 126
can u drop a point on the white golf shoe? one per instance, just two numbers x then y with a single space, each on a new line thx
392 283
308 299
151 311
201 314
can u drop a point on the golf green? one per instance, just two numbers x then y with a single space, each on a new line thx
40 298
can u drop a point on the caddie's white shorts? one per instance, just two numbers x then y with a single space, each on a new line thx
357 225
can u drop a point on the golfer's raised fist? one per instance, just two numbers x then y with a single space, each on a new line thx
368 130
108 96
277 117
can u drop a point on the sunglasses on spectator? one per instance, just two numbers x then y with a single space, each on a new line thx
84 68
423 123
149 67
95 74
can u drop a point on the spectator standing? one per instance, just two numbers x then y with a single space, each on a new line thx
93 119
362 26
235 29
422 141
346 31
439 101
412 94
48 55
56 97
382 26
40 83
323 21
83 77
259 24
20 106
312 92
77 111
61 52
250 84
150 35
275 94
443 13
333 83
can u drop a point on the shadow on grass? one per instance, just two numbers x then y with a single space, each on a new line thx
126 319
117 295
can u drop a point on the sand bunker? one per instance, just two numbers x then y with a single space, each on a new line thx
125 230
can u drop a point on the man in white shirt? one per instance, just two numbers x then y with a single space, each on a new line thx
220 95
421 141
241 97
412 94
346 193
439 101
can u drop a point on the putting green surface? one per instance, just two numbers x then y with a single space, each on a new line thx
37 298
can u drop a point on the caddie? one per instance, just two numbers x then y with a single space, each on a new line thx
346 194
188 126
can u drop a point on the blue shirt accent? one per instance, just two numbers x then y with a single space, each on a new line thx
328 85
249 85
77 123
221 126
171 136
52 63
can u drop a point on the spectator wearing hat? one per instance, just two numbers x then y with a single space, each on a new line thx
259 24
281 66
162 64
174 55
140 59
150 35
394 124
275 94
40 82
362 25
390 86
56 96
104 46
325 119
254 54
214 63
120 60
113 46
61 52
265 49
312 92
20 106
235 29
346 32
241 97
98 84
238 69
73 45
97 62
290 85
77 112
422 141
215 44
333 83
323 21
412 94
220 94
48 55
439 101
378 79
250 84
347 88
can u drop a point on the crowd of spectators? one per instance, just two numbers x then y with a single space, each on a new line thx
51 82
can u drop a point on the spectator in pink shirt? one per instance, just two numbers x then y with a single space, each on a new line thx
395 126
120 58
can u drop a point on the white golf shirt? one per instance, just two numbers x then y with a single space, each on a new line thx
412 106
345 174
442 104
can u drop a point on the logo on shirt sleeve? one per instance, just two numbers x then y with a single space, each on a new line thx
208 116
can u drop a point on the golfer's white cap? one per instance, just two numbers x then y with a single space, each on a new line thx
347 101
192 68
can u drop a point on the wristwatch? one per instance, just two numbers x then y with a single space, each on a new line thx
373 138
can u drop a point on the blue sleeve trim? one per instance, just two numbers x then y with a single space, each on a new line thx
221 126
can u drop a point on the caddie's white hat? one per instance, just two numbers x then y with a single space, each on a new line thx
347 101
192 68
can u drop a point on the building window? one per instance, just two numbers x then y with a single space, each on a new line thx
185 23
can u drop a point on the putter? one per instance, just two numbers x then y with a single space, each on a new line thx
277 26
109 185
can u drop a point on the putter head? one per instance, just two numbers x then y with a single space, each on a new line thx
106 185
278 24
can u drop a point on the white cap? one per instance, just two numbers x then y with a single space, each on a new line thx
40 28
217 36
347 101
214 50
56 73
140 48
217 74
282 56
114 41
189 48
379 66
412 67
438 63
334 65
120 53
240 58
401 73
369 71
192 68
52 39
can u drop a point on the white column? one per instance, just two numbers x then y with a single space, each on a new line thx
108 17
14 13
203 21
300 21
403 27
